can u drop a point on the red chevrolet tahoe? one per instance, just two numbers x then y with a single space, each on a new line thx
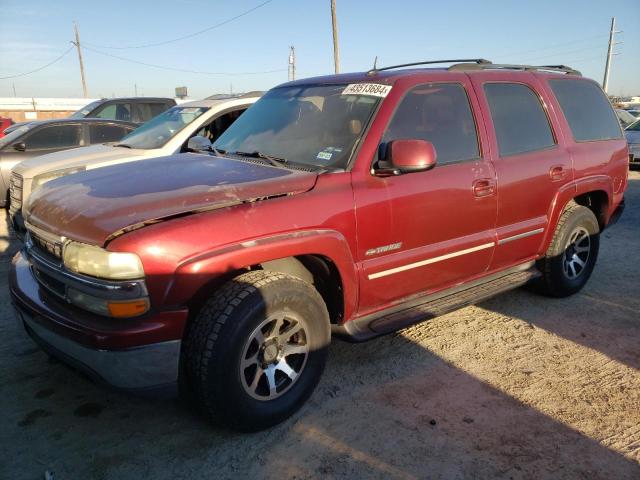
352 205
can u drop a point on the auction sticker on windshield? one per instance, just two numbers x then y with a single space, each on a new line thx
371 89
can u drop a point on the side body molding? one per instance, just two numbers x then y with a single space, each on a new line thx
193 273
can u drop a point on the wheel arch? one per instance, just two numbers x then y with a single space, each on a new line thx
322 258
595 193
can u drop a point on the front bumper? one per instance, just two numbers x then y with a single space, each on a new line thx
59 330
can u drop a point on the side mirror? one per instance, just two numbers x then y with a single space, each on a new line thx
199 144
412 155
408 156
19 147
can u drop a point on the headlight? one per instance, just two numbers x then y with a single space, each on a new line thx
100 263
40 180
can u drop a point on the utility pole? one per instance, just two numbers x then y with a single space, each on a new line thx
607 68
336 50
292 63
77 44
135 89
14 89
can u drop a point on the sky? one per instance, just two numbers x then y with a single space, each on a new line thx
36 32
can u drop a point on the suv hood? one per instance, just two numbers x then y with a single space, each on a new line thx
91 157
97 205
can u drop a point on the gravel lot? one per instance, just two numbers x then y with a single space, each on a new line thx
518 387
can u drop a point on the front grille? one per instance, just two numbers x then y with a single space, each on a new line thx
15 192
48 247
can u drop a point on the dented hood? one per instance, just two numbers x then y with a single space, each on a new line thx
96 205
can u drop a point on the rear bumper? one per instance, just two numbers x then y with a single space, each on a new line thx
149 368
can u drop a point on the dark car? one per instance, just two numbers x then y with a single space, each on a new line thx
135 109
47 136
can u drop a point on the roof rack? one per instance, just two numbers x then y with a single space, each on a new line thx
467 61
498 66
481 64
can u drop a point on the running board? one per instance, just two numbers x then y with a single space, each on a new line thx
431 306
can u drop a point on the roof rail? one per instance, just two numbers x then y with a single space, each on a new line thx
498 66
468 61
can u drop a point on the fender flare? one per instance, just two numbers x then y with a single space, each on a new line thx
194 273
567 193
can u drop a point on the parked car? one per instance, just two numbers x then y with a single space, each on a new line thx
48 136
135 109
632 132
353 204
4 123
624 117
199 122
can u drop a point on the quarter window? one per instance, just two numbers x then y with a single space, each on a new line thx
440 114
586 109
520 122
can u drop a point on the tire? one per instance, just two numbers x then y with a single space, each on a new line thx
233 360
562 273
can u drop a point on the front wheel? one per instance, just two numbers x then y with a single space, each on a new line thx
573 252
256 350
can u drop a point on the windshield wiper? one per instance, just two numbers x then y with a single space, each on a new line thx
123 145
275 161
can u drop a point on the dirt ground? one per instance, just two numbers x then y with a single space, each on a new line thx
518 387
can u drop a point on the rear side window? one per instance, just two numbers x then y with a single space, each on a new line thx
586 109
106 133
519 120
440 114
146 111
54 136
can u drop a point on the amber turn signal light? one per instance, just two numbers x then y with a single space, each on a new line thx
128 309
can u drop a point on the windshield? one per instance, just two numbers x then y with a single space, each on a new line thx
634 127
84 111
310 125
159 130
17 133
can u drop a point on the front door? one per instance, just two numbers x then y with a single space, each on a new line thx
424 231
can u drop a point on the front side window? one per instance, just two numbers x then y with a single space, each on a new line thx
586 109
440 114
317 125
54 136
159 130
520 122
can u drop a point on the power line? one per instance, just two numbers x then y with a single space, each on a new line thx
41 68
535 50
184 37
163 67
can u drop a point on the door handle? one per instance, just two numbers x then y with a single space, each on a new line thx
484 187
557 172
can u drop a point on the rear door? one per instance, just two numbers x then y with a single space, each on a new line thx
531 158
424 231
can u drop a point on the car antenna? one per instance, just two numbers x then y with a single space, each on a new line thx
375 63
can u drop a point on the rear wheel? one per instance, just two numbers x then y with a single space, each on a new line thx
572 255
256 350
